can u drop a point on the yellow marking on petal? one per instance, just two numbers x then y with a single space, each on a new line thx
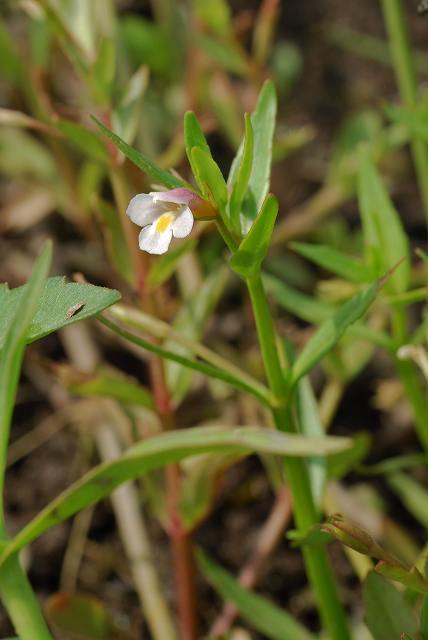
164 221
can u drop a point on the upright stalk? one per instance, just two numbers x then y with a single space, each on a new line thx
316 561
405 73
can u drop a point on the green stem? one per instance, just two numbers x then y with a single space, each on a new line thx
317 565
21 602
404 66
408 373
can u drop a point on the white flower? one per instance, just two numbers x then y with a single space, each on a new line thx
162 214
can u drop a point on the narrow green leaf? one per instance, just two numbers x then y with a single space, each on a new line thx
112 385
424 619
342 463
103 71
143 163
84 139
415 120
242 176
10 62
194 137
263 123
298 304
156 452
410 577
256 389
334 261
59 304
19 318
210 176
413 496
332 329
115 239
385 239
310 424
164 267
388 614
248 258
267 618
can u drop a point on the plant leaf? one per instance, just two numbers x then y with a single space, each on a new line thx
251 252
388 614
263 124
19 318
60 303
108 384
265 617
332 329
334 261
411 578
165 265
194 137
84 139
143 163
158 451
384 236
241 177
209 175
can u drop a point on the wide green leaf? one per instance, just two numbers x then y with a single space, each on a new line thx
332 329
388 614
143 163
334 261
385 239
263 124
157 452
59 304
248 258
267 618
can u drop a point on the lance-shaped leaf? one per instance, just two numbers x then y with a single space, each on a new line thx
84 139
157 452
242 177
270 620
208 174
384 236
60 303
143 163
410 577
248 258
332 329
194 137
334 261
263 124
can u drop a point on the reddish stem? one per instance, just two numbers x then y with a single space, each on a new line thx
269 536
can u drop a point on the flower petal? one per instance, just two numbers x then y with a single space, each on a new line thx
154 242
183 223
180 195
142 209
